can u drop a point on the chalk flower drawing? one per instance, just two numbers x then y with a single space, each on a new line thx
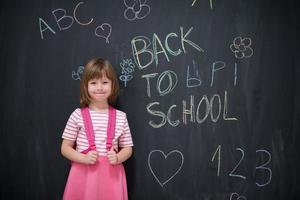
241 47
236 196
127 67
77 75
176 153
136 9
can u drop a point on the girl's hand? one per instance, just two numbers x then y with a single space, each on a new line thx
91 157
112 156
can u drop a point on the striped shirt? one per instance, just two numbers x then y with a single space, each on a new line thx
75 131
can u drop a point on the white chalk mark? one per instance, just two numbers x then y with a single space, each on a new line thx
106 31
162 183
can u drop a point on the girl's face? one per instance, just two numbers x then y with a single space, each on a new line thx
99 89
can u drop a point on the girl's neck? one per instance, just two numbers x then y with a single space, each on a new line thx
103 107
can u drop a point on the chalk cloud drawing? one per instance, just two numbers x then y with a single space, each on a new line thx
236 196
76 75
241 47
136 9
127 67
175 153
104 31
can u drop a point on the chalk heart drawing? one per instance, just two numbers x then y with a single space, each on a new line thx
174 153
104 31
236 196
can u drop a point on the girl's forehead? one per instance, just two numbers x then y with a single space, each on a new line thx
104 77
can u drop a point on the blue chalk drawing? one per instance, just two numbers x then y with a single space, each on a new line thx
76 75
127 67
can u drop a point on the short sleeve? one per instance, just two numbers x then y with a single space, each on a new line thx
72 128
125 139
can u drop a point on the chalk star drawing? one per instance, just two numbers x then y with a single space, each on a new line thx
136 9
127 67
171 175
77 75
241 47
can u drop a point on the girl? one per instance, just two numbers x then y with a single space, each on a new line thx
102 138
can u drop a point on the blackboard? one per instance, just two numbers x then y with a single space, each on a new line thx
210 87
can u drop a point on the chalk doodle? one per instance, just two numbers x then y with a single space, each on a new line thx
136 9
173 153
241 47
77 75
127 67
104 31
236 196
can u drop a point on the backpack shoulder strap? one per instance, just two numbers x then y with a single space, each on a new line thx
111 127
88 128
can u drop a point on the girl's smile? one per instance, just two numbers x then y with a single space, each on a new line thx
99 89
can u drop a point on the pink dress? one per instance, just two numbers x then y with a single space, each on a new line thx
101 181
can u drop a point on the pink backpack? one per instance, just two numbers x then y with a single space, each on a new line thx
90 131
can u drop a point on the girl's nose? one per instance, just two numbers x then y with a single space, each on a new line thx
99 86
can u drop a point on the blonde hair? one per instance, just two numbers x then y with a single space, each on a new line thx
98 68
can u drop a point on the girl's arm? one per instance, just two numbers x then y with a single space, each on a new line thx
70 153
124 154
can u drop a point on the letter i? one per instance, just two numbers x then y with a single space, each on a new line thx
235 73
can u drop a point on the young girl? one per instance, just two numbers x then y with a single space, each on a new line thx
97 138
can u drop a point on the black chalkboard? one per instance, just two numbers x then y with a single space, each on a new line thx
210 87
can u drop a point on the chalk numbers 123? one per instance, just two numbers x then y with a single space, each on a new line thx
262 167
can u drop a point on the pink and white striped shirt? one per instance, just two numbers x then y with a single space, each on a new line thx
75 131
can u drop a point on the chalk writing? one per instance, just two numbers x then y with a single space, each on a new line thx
210 3
127 67
218 65
193 82
193 2
76 75
241 47
218 150
76 19
164 117
176 154
171 79
235 74
136 9
234 169
46 27
262 169
193 78
194 114
141 48
65 21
